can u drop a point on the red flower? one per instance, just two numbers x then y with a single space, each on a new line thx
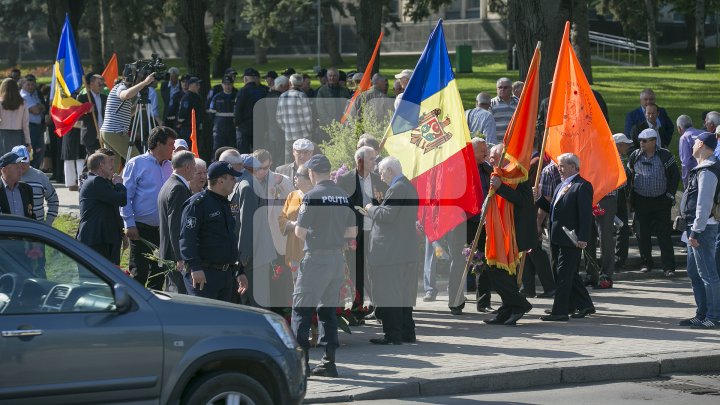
597 210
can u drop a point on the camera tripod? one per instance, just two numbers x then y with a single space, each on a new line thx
140 118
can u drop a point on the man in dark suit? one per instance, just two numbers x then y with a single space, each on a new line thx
571 208
665 125
89 137
171 198
101 197
364 187
16 197
514 305
393 255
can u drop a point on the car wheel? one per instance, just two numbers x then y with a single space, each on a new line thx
227 388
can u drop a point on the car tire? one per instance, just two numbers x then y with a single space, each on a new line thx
225 385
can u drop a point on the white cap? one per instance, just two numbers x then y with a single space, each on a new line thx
405 73
181 143
303 144
648 133
357 76
621 138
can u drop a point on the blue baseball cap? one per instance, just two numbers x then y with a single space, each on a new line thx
709 139
219 169
251 162
318 163
9 158
22 151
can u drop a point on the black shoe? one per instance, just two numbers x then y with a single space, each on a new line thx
512 321
554 318
583 313
409 339
527 294
495 321
670 273
385 341
484 308
325 370
692 321
548 311
456 310
547 294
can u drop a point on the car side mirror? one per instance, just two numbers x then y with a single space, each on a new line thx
122 298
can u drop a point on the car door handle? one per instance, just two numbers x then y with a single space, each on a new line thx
21 332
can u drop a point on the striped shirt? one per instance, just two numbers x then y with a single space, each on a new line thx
43 194
502 111
650 179
549 180
117 121
482 121
294 115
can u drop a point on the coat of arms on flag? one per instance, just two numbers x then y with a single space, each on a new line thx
430 133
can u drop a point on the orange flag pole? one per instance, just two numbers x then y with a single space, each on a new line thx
365 82
193 135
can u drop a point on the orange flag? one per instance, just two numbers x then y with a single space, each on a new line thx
501 248
193 135
576 124
364 82
111 71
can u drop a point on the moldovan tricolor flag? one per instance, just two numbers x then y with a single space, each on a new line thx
576 124
429 135
501 248
67 78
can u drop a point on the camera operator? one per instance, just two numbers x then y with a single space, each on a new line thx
118 115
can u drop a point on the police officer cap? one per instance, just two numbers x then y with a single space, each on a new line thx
251 162
194 80
322 73
318 163
271 74
709 139
250 72
230 72
219 169
228 79
9 158
185 77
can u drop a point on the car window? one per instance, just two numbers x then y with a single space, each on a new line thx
39 277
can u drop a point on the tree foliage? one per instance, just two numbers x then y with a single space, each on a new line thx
16 19
267 18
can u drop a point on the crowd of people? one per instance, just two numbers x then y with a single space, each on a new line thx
267 222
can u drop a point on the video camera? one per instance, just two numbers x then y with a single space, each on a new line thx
142 68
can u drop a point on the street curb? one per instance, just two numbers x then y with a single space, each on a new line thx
522 377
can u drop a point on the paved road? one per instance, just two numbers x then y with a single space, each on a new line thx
670 390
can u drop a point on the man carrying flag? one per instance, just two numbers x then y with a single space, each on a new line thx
511 224
429 136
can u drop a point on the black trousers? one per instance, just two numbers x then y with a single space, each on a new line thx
537 262
357 265
396 290
110 251
219 285
506 286
482 294
653 214
571 293
622 243
145 270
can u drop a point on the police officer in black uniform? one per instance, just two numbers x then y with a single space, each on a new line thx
218 88
222 107
247 96
191 101
208 241
325 222
174 104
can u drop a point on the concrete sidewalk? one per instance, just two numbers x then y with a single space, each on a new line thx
633 335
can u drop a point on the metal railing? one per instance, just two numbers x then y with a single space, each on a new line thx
617 46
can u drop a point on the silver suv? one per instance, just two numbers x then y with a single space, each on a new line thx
75 329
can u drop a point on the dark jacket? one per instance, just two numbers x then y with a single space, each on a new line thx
392 238
26 195
100 202
88 134
637 116
171 199
247 96
350 183
694 202
573 210
672 173
524 213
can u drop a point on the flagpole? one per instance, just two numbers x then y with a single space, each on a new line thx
483 215
92 111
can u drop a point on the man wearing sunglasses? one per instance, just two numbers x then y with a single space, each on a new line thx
654 178
503 106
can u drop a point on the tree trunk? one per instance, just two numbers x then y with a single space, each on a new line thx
700 34
218 16
92 25
330 34
119 27
13 52
580 36
191 14
539 20
368 20
56 17
651 7
105 29
223 60
690 31
260 53
510 18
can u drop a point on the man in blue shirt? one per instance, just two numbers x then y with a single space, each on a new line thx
143 177
36 109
